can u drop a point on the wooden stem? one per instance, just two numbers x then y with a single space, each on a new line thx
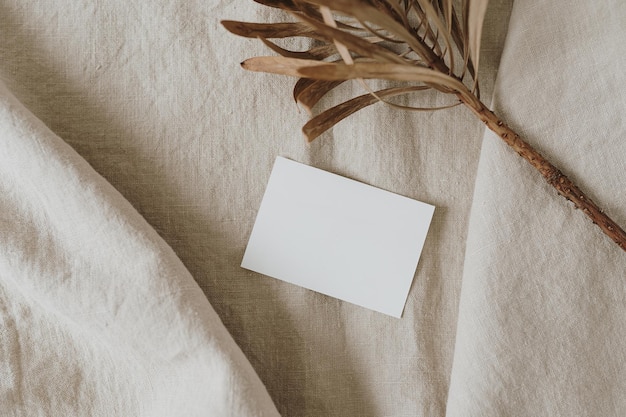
553 175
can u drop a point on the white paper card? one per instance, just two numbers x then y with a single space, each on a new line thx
338 237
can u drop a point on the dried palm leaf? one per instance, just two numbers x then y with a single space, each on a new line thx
415 42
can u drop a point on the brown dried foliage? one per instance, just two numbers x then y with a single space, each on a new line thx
421 44
410 41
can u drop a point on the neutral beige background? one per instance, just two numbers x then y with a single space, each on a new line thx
151 95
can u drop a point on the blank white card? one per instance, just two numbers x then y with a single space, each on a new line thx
338 237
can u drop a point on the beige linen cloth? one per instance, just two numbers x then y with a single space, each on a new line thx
541 327
98 317
150 94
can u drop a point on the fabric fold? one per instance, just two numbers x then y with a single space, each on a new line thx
98 315
541 329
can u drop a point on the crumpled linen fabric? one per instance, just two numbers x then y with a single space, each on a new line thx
98 317
541 326
151 96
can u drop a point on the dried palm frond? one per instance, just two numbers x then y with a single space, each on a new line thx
425 44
